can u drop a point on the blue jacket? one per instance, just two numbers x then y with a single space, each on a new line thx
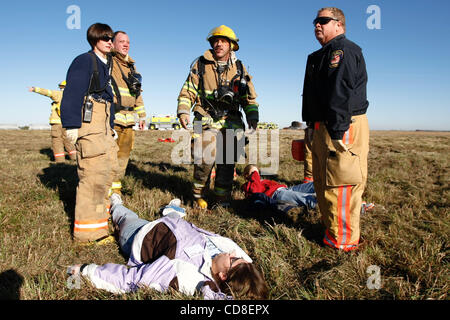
77 78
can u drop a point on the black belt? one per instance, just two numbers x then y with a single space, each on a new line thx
127 108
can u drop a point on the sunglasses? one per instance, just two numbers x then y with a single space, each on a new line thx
323 20
106 38
232 260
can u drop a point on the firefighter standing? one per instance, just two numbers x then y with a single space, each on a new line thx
129 105
86 114
58 133
334 105
217 88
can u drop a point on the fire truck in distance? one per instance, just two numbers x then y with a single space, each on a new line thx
164 122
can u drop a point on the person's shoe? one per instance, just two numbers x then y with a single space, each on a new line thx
201 203
115 199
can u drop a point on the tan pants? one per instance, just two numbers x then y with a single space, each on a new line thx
339 182
59 142
125 142
97 160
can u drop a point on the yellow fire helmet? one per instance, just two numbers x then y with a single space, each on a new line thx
224 31
62 83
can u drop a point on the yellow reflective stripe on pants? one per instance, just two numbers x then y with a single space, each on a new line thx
116 185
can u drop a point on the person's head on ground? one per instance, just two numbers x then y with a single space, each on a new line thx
248 170
237 277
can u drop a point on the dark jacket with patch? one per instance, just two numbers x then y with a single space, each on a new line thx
335 83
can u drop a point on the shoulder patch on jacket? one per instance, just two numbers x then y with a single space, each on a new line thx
336 57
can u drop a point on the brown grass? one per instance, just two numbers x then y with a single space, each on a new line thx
407 232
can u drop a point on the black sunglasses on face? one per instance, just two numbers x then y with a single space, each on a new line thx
232 260
106 38
323 20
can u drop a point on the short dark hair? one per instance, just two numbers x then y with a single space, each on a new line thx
97 31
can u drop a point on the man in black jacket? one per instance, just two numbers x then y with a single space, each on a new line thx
334 106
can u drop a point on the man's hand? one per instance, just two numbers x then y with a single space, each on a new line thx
184 120
72 135
339 145
141 124
252 124
31 89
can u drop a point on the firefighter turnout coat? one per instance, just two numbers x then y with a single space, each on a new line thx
198 94
128 105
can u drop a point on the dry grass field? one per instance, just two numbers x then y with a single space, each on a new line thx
407 232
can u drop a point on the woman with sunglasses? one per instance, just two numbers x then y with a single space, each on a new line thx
86 115
172 253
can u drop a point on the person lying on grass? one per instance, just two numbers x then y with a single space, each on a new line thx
173 253
264 193
302 195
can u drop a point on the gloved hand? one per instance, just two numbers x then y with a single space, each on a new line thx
184 120
72 135
115 135
339 145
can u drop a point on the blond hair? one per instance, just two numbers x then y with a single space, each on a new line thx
335 13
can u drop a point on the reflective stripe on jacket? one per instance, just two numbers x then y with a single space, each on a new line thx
190 92
124 117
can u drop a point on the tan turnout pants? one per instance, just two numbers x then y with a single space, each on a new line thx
59 142
339 182
125 142
97 162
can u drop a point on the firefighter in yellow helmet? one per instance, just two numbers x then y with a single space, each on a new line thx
217 90
58 133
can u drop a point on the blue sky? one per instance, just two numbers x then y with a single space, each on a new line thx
407 59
